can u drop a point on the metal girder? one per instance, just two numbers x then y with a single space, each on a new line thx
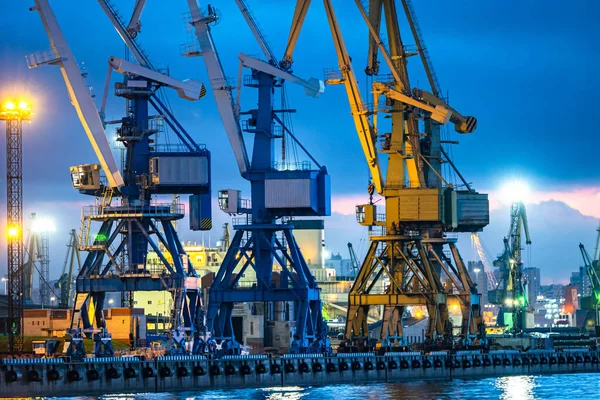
391 299
253 295
134 282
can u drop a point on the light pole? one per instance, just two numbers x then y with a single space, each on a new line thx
157 304
14 113
52 314
5 280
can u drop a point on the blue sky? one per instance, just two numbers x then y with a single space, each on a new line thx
524 68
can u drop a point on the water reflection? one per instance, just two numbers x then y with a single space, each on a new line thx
285 393
516 387
553 387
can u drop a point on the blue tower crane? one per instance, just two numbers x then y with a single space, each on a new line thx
265 244
117 254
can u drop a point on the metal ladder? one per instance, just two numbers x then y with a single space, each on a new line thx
84 231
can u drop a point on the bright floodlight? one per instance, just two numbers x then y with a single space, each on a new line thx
514 191
43 225
15 110
13 232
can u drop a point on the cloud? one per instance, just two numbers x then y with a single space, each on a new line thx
558 221
586 200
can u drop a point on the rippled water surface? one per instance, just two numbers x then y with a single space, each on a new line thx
572 386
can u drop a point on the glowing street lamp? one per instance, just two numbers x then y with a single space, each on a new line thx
13 232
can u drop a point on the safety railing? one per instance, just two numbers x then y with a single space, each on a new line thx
332 75
293 166
173 148
43 57
158 209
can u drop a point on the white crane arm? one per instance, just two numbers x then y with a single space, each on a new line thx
78 92
312 87
135 26
189 89
221 90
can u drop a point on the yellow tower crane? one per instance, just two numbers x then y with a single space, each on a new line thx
411 260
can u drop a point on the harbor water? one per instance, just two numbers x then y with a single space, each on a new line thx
561 386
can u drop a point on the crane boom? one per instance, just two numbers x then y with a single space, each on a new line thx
221 90
462 124
354 264
438 112
125 34
597 249
312 87
78 92
386 55
489 272
134 26
189 89
260 38
421 48
297 23
366 132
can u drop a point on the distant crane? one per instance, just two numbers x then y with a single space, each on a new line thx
592 270
489 272
66 281
38 261
226 239
511 293
354 264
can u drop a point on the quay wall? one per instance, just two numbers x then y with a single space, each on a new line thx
56 377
